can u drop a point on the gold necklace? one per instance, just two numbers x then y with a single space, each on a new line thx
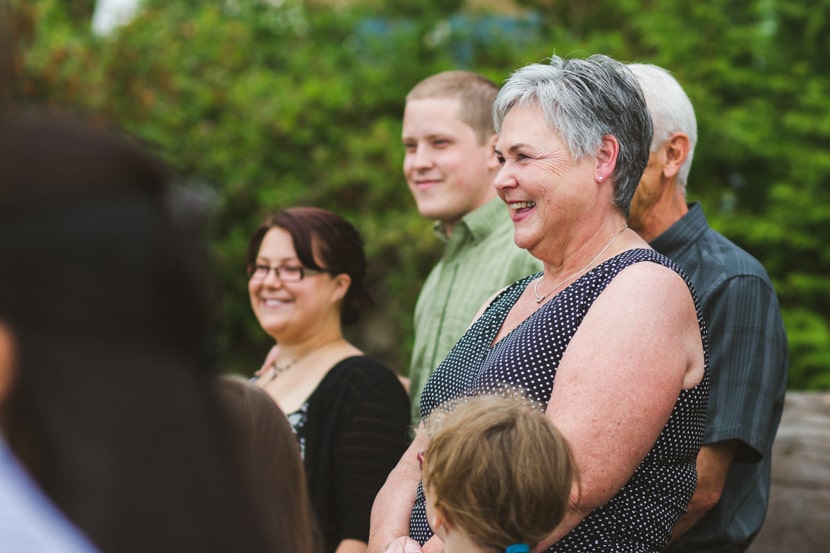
540 299
276 370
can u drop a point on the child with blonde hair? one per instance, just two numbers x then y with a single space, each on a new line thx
497 476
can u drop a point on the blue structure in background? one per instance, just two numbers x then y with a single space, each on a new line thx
460 33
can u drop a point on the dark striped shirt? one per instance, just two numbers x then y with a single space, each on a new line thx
748 359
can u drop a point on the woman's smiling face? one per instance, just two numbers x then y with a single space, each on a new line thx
542 186
284 309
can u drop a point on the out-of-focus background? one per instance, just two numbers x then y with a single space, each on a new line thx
260 104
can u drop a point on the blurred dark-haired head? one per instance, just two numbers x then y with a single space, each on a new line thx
87 241
107 301
269 453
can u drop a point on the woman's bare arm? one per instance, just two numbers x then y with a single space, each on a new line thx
393 504
618 381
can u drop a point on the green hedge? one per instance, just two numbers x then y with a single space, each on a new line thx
262 104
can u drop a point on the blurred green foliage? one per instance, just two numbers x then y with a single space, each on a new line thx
260 104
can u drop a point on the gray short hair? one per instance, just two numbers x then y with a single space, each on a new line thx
670 108
584 100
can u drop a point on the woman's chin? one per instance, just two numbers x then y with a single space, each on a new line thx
525 241
274 329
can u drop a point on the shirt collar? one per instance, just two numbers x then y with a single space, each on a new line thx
478 224
684 232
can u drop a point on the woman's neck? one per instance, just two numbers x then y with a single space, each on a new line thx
292 350
581 255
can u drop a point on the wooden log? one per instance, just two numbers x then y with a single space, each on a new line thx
798 519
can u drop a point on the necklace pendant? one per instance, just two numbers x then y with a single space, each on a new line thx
539 300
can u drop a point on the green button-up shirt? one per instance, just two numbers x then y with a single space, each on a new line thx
479 259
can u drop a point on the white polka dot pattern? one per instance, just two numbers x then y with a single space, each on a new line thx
640 517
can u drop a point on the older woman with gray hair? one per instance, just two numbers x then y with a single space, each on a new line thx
608 338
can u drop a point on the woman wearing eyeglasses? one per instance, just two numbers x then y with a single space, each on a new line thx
306 269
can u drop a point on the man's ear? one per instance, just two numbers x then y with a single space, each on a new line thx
607 155
7 364
676 149
493 161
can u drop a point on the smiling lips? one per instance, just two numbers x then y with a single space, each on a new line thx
427 183
518 206
272 302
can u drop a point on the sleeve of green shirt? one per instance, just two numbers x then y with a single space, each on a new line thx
480 258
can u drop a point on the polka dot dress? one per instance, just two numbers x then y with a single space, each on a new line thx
640 517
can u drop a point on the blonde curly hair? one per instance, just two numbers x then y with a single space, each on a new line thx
498 468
